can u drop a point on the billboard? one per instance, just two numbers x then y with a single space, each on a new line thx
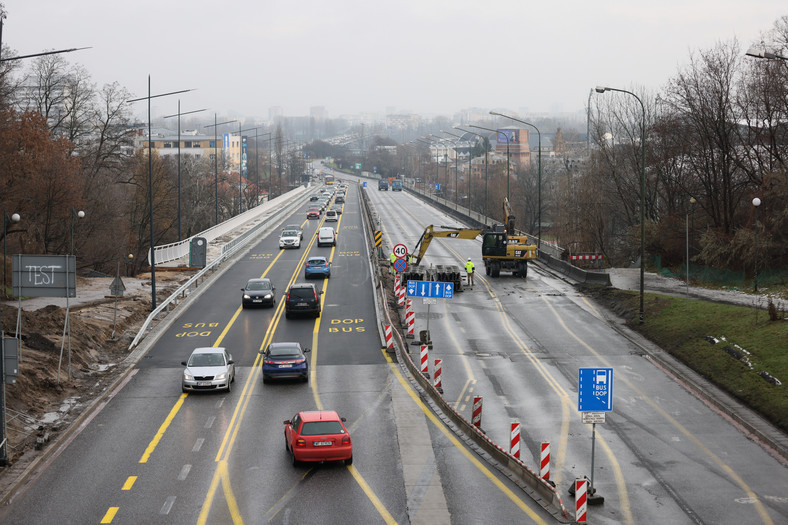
44 275
507 136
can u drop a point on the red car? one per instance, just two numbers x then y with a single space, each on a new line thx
318 436
313 213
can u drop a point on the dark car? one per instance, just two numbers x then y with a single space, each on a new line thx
314 197
302 298
285 361
258 292
339 200
337 208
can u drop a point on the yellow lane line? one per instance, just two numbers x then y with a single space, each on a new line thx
457 444
162 429
110 515
129 482
387 517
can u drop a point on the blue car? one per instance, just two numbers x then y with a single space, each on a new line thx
317 267
285 361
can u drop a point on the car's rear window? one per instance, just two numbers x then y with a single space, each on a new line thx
284 351
302 293
315 262
317 428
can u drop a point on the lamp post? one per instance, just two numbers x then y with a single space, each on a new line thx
74 214
429 149
456 159
692 204
179 157
6 220
256 164
761 51
507 154
3 439
150 190
216 162
539 182
756 202
602 89
485 168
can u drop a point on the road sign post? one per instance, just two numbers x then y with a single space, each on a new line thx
594 398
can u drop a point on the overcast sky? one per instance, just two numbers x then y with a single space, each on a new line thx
364 56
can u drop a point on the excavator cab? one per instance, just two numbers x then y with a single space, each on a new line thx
494 242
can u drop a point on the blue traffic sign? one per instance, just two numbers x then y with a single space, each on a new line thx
440 290
595 390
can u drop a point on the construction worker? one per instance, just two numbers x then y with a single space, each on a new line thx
392 258
469 267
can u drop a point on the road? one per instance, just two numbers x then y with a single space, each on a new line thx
155 455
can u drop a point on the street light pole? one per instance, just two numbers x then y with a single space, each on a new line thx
602 89
692 203
215 125
150 190
539 183
74 214
485 167
179 158
756 202
456 159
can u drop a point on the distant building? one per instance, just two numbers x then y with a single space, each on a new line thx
165 142
318 112
515 142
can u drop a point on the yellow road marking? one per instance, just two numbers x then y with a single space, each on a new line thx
387 517
129 482
162 429
110 515
456 442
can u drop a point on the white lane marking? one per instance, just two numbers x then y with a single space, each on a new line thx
198 444
184 472
209 423
167 507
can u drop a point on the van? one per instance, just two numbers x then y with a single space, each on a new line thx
326 236
331 216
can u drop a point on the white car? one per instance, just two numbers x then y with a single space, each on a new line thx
296 227
331 216
208 368
326 236
289 239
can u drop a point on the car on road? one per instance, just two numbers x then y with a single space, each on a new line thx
337 208
318 436
340 199
326 236
289 239
208 368
285 361
313 213
296 227
258 292
314 197
331 216
302 298
317 267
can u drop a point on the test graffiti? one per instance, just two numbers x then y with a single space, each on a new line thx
41 275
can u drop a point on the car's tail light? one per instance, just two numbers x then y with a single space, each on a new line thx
288 296
315 295
300 442
346 440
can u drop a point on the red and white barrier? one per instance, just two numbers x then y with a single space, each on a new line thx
514 439
389 337
437 377
476 415
403 293
425 361
544 462
410 317
581 488
586 257
397 287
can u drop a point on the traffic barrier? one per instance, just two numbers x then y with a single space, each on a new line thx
402 294
437 379
544 462
410 318
586 257
581 487
397 286
425 361
476 415
514 439
389 337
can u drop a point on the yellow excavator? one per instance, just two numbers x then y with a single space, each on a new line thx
500 250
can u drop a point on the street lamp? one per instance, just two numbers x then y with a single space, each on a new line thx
539 183
507 153
6 220
216 162
150 190
456 159
756 202
429 149
602 89
178 114
692 207
74 214
256 164
485 170
761 51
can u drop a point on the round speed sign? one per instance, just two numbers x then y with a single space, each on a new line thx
400 251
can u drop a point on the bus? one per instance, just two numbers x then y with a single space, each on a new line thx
328 179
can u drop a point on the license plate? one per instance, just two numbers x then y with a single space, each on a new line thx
203 383
257 300
285 366
301 304
322 443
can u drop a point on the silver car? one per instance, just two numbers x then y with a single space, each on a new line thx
289 239
209 368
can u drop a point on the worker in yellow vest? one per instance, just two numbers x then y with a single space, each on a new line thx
392 258
469 267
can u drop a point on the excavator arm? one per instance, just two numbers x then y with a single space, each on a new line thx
448 232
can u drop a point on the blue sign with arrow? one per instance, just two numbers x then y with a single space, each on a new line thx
438 290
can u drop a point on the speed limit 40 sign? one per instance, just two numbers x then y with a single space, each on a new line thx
400 251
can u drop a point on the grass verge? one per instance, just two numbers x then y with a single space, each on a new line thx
749 343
